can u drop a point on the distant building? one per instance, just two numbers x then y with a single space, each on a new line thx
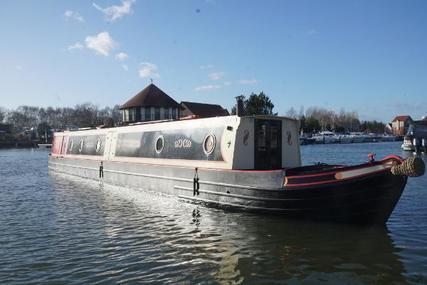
388 129
418 129
148 105
400 125
202 110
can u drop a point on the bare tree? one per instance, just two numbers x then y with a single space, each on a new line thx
3 114
292 113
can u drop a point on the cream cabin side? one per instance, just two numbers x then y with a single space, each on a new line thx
229 142
267 142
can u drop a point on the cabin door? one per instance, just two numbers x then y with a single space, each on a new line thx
268 144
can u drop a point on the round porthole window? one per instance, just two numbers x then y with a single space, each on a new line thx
81 145
160 144
209 144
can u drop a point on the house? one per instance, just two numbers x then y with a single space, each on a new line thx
148 105
388 129
202 110
400 125
418 129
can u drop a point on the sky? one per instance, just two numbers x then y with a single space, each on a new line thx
365 56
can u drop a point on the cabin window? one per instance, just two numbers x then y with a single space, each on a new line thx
70 149
157 113
81 145
98 145
209 143
160 144
274 142
262 137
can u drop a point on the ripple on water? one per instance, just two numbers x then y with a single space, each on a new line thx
60 229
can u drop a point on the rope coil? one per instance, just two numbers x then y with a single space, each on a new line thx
412 167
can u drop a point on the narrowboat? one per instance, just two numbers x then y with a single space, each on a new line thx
244 163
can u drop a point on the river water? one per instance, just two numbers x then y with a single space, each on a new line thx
56 229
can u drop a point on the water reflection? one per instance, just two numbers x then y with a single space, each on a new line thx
138 236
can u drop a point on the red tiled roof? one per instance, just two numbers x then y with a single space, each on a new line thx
402 118
151 96
205 110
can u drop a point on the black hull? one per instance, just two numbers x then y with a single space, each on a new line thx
367 200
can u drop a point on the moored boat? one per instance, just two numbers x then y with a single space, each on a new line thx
247 163
407 144
326 137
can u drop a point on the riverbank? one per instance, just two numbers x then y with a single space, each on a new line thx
18 144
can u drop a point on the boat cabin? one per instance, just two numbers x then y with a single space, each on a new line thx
228 142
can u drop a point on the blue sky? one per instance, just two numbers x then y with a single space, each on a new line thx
365 56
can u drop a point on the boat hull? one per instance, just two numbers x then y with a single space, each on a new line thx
366 200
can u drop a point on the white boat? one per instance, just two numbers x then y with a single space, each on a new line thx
359 137
345 138
326 137
407 144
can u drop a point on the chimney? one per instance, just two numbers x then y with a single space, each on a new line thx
240 108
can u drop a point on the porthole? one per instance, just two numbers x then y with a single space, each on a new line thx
81 145
209 143
71 145
160 144
98 145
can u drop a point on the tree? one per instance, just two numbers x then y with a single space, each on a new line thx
291 113
257 104
116 115
86 115
3 114
373 127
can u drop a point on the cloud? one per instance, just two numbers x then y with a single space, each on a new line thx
248 81
227 83
115 12
147 69
206 87
71 15
121 56
125 67
102 43
19 67
216 75
77 45
204 67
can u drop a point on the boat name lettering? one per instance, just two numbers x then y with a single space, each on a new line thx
182 143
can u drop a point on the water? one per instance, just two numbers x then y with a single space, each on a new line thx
56 229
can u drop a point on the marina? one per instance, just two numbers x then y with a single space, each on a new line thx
329 137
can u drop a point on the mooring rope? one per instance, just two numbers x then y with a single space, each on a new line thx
412 166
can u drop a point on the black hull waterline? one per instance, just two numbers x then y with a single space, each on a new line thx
368 199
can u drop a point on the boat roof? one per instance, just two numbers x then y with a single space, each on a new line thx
265 117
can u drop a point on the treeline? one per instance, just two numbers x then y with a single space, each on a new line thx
59 118
316 119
